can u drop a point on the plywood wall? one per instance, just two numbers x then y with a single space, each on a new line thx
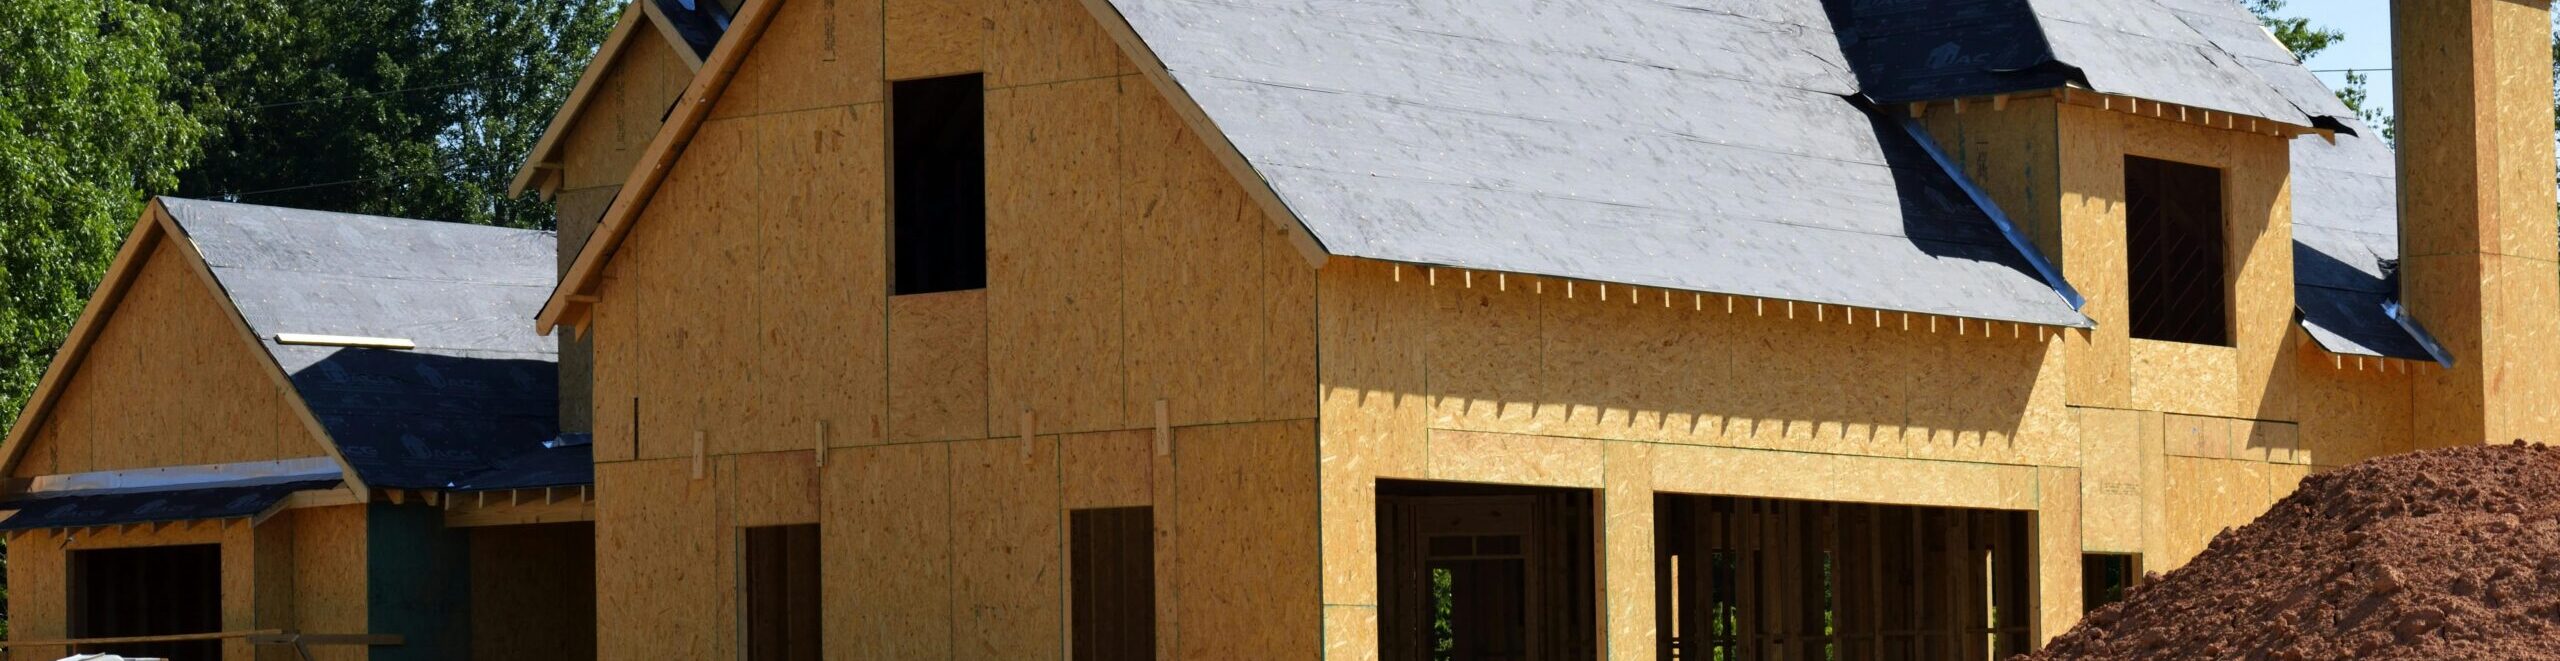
622 113
1125 265
170 381
280 574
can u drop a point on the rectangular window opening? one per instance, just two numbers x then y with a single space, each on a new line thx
1112 580
148 591
782 611
2174 239
2105 577
938 185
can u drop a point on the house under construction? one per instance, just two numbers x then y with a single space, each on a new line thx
1207 329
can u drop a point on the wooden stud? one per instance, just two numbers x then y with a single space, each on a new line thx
1999 102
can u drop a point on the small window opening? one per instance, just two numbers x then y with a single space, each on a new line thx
1112 579
938 185
2175 254
148 591
2105 577
782 600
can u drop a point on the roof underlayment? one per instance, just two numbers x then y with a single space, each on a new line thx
1713 146
477 394
1703 149
193 503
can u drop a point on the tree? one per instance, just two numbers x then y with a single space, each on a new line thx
2307 40
90 122
418 109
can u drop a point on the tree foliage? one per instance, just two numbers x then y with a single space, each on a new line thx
419 109
2307 40
86 130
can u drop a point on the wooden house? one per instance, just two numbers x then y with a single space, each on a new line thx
1201 329
1042 329
282 434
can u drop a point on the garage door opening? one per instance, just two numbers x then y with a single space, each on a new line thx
1750 578
1485 573
148 591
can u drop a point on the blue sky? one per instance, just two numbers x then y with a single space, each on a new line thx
2367 24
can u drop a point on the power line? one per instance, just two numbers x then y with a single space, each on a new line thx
366 95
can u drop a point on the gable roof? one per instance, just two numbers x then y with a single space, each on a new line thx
686 30
476 390
2208 54
1640 143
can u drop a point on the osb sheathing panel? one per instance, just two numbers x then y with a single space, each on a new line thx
2523 383
2058 533
815 54
1248 534
329 571
2012 154
1351 632
891 508
2458 41
2107 370
1627 541
577 212
1107 469
821 285
664 578
2185 378
1006 539
1374 419
1218 309
2196 436
775 488
938 366
1458 456
2350 415
170 381
1750 473
2110 480
1515 354
753 333
622 113
1053 254
2204 497
39 568
927 38
617 367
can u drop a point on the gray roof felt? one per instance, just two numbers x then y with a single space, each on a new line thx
1697 147
2209 54
2345 227
481 386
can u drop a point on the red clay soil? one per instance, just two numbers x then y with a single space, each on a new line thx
2441 554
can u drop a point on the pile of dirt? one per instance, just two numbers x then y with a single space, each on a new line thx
2441 554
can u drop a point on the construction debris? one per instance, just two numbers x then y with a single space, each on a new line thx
2438 554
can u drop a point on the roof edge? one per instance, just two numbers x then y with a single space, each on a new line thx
576 287
537 161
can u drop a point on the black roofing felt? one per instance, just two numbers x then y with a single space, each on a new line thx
700 22
187 504
2346 233
2209 54
481 387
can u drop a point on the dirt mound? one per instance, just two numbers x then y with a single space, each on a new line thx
2441 554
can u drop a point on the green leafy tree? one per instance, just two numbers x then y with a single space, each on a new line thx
418 109
88 126
2307 40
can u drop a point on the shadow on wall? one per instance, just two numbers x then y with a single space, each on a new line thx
1638 367
421 420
